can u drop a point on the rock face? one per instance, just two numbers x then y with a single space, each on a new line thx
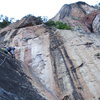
75 11
14 83
96 23
24 22
79 15
51 64
60 64
91 21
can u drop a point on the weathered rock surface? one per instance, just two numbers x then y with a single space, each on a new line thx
96 24
14 83
83 65
78 15
62 65
52 64
32 48
91 21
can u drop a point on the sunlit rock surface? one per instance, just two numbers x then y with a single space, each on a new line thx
80 16
53 64
75 11
61 64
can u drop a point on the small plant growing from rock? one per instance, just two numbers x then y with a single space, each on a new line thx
61 25
58 25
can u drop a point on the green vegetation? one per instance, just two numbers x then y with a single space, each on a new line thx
61 25
58 24
5 21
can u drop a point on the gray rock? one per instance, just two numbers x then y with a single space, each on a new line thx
14 83
96 24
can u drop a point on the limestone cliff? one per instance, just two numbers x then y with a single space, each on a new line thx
75 11
52 64
61 64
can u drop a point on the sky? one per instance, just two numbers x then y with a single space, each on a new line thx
19 8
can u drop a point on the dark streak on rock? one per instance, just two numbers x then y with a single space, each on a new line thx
58 43
14 82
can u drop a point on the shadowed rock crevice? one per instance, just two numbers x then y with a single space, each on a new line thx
14 34
65 12
14 84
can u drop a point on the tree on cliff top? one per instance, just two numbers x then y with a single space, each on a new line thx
5 21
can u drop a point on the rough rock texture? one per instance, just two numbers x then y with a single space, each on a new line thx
96 23
14 83
62 65
32 48
91 21
80 58
75 11
52 64
24 22
78 15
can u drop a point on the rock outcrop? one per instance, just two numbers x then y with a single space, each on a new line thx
51 64
62 65
24 22
14 83
91 21
75 11
79 15
96 24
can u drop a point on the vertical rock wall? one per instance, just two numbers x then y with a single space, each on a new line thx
62 65
79 54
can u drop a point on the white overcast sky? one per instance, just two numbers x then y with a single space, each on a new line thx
19 8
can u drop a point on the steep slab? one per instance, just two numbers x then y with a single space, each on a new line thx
77 62
61 64
32 48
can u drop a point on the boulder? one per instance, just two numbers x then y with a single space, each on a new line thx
75 15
